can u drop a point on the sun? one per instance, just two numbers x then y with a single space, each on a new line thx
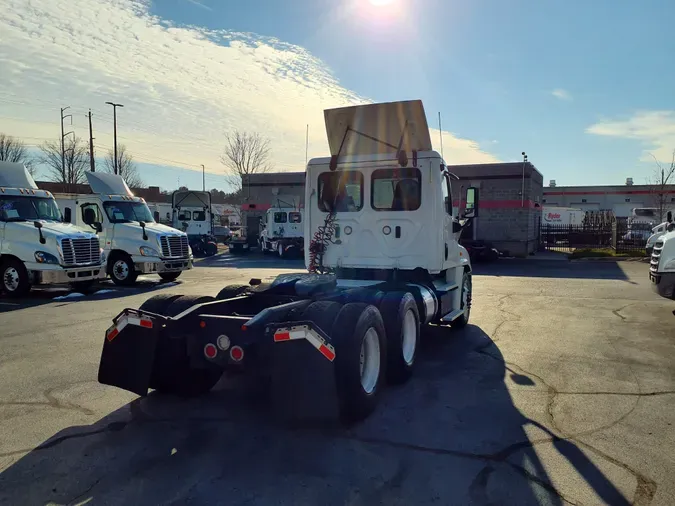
381 3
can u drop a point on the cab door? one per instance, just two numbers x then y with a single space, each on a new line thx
450 246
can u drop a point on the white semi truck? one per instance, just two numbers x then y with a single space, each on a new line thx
662 265
36 246
383 261
192 213
133 242
282 231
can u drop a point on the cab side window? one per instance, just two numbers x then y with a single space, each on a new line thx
280 217
91 214
445 185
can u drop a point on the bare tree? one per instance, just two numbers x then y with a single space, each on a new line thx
14 150
76 156
126 167
661 183
245 154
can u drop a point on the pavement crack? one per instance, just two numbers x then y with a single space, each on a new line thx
51 402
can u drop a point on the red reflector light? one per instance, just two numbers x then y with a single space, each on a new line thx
210 350
243 328
237 353
327 352
202 324
282 336
146 323
112 334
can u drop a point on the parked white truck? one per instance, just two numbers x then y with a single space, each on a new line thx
384 260
36 247
192 213
282 231
662 266
133 242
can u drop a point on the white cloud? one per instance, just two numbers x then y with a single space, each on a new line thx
182 87
653 129
561 94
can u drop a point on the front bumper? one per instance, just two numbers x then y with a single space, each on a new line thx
663 283
156 265
43 274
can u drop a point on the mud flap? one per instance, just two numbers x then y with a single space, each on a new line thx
303 376
128 355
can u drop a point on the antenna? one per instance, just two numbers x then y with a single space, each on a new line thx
440 133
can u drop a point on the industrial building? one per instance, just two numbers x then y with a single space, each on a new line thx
620 199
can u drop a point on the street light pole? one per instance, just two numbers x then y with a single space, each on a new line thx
115 106
522 190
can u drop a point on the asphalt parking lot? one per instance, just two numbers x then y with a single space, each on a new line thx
561 390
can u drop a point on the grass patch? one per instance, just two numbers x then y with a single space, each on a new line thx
605 253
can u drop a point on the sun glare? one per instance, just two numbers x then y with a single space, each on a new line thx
380 3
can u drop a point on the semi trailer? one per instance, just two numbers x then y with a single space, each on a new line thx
383 261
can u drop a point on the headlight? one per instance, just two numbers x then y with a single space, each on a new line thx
102 256
45 258
190 250
146 251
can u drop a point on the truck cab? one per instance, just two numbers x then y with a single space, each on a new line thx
36 246
282 230
133 242
191 213
662 265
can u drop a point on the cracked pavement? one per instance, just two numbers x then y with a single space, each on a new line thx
561 391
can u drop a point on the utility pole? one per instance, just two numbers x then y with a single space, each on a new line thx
63 147
522 190
92 165
115 106
203 178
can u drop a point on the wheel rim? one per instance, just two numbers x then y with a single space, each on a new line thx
281 250
409 337
370 360
121 270
466 295
11 279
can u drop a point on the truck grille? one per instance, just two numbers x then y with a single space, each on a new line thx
81 251
656 256
174 246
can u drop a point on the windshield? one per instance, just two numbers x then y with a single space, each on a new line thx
14 208
125 212
646 213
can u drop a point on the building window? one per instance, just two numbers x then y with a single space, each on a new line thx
544 201
583 201
627 200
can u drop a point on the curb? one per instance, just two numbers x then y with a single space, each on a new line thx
612 259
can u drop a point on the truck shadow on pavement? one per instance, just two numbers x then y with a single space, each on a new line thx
451 435
552 269
105 290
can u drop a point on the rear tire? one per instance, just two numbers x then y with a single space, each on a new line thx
358 335
211 249
122 270
169 276
323 313
402 323
159 303
14 278
172 373
231 291
465 302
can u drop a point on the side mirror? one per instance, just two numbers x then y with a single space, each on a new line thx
98 226
669 217
471 209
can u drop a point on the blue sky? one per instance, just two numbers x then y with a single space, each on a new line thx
585 88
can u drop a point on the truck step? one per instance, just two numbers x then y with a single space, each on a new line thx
440 286
452 316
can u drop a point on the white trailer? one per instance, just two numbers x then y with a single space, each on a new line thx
36 246
282 231
383 261
133 242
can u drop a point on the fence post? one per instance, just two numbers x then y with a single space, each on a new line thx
614 235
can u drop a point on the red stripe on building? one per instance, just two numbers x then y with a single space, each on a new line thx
501 204
626 192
